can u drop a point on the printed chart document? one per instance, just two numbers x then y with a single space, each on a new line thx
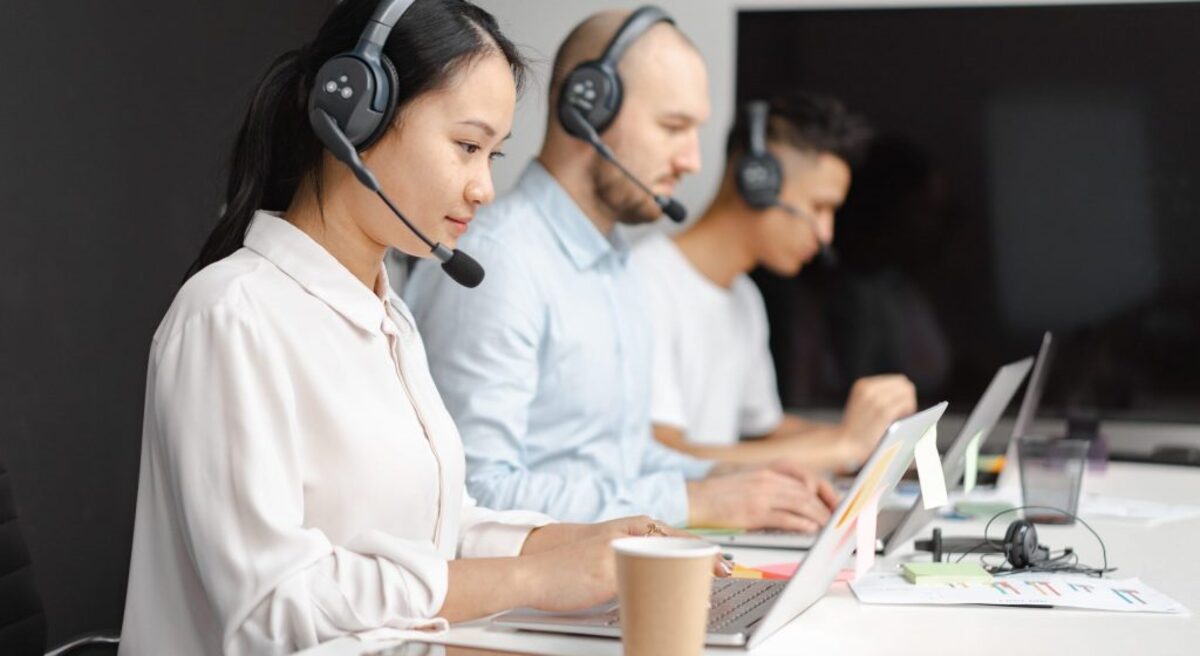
1026 589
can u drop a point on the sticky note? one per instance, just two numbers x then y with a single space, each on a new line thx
778 571
704 531
864 557
991 464
983 509
741 572
971 463
868 487
939 573
784 571
929 470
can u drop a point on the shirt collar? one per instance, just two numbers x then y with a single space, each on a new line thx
575 232
317 271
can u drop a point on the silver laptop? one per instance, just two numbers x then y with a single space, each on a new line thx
981 421
747 611
895 525
1029 408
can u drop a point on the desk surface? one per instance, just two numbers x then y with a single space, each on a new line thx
1165 557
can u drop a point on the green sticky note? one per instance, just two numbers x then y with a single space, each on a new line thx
945 573
983 509
971 465
701 531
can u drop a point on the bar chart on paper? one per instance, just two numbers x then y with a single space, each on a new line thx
1032 589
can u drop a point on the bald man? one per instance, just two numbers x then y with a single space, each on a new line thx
546 365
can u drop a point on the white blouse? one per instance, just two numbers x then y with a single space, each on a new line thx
300 477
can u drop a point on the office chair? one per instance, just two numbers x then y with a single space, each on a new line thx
22 619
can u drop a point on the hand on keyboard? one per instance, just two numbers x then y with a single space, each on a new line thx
780 496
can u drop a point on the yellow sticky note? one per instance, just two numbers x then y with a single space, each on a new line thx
971 463
867 490
929 470
740 572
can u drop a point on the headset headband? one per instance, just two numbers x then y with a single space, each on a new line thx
380 26
633 27
757 112
375 34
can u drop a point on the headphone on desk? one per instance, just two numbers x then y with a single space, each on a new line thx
1020 547
1022 553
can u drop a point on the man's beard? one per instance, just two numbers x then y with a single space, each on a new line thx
627 202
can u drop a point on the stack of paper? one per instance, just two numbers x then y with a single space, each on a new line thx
1146 513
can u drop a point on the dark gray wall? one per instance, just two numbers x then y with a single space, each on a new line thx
115 125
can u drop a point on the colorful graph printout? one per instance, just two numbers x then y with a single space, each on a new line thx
1032 589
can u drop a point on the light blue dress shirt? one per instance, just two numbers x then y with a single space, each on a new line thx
546 365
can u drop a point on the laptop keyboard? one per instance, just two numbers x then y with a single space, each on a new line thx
733 600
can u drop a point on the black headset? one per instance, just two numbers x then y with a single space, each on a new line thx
1021 548
1022 552
593 89
351 105
357 89
758 175
591 96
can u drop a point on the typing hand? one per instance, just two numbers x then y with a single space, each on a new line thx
555 536
874 403
574 576
781 496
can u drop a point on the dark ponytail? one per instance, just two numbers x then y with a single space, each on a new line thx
276 149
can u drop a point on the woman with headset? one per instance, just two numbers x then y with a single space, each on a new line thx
300 478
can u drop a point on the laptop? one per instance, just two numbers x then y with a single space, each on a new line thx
981 421
1029 406
895 525
744 612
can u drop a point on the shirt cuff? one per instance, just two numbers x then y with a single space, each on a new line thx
418 571
697 468
665 496
502 535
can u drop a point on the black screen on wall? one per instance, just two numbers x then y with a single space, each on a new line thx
116 126
1034 168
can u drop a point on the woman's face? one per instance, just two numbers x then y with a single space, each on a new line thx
436 164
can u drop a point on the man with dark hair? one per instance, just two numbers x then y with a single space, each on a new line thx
714 380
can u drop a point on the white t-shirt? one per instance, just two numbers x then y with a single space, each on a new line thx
713 374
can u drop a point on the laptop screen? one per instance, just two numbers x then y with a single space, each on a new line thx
883 469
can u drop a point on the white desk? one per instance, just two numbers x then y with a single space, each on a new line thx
1165 557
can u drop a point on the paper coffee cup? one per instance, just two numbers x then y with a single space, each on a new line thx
663 586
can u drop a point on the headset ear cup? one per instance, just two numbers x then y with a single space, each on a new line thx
389 109
1020 544
759 180
595 93
1030 546
1035 553
1010 550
